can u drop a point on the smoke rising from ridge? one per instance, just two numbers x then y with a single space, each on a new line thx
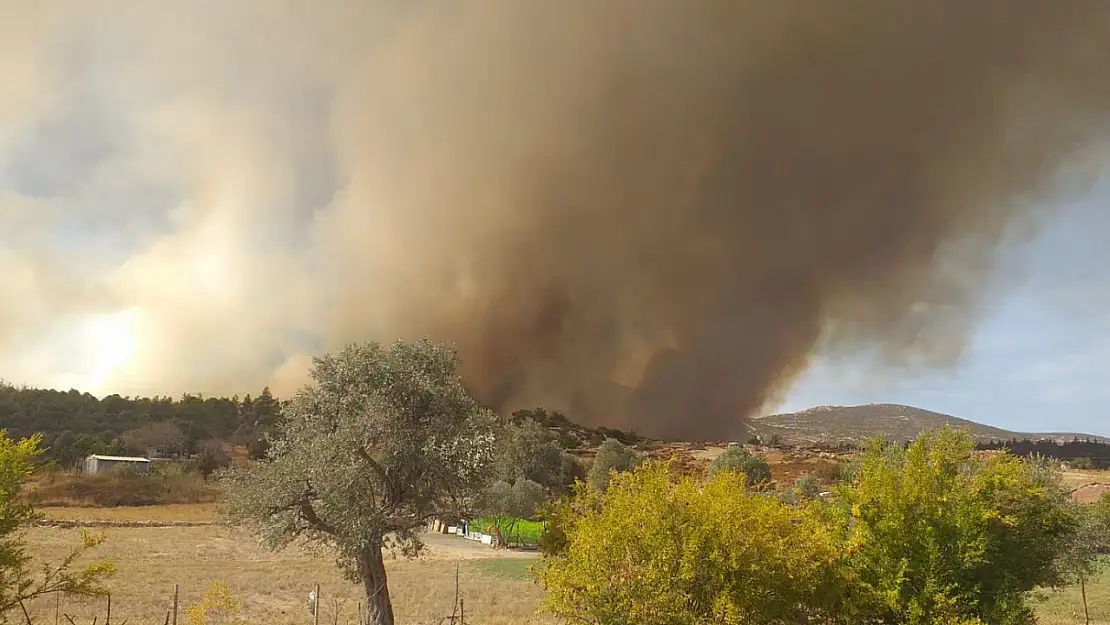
647 214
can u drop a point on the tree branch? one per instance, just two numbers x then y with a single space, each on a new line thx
308 513
390 487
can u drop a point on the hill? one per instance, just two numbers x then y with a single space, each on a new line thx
832 424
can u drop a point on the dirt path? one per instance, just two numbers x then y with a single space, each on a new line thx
451 547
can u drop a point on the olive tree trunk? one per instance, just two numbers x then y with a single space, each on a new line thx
379 609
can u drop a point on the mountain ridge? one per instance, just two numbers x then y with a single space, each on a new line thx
899 422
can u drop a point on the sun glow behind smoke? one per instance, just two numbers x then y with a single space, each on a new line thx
112 338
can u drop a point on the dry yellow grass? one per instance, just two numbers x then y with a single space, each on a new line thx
274 586
199 512
1073 478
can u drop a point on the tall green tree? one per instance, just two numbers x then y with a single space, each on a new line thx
383 439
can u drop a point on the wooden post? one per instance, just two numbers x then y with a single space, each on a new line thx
316 607
174 621
108 619
57 606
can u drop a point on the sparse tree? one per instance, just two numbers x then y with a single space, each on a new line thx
383 439
611 456
211 457
163 436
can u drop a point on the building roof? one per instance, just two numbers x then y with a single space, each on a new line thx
119 458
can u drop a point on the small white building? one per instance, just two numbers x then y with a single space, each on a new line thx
97 463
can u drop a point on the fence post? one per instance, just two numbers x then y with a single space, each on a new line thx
108 619
174 604
316 607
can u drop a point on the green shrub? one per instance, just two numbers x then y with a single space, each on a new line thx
1082 464
808 486
929 534
651 551
739 460
941 534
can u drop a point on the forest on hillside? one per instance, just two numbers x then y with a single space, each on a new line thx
76 424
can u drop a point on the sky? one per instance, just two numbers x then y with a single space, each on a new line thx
200 196
1039 360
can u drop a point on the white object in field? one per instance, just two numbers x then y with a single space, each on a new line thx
486 539
451 529
312 602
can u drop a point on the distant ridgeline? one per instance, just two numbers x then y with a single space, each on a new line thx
76 424
1080 452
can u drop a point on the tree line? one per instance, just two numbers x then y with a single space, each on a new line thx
75 424
1090 452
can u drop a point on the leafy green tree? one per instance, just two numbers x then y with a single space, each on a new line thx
382 440
20 579
612 456
939 534
738 459
649 550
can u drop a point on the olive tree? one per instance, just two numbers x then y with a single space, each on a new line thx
381 440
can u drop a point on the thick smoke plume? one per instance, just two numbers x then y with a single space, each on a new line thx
645 213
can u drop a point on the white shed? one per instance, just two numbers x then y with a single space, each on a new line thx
97 463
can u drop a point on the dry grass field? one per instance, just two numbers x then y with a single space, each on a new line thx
495 585
273 586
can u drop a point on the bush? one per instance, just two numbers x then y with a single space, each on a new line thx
927 534
941 534
106 490
808 486
737 459
611 456
650 551
1082 464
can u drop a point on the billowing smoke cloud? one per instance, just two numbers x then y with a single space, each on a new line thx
648 214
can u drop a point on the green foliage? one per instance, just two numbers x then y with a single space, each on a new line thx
649 550
808 486
939 534
527 450
76 424
1082 464
520 499
752 440
932 533
514 530
20 580
612 456
383 439
739 460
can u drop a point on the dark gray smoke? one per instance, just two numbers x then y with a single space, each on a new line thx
675 199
